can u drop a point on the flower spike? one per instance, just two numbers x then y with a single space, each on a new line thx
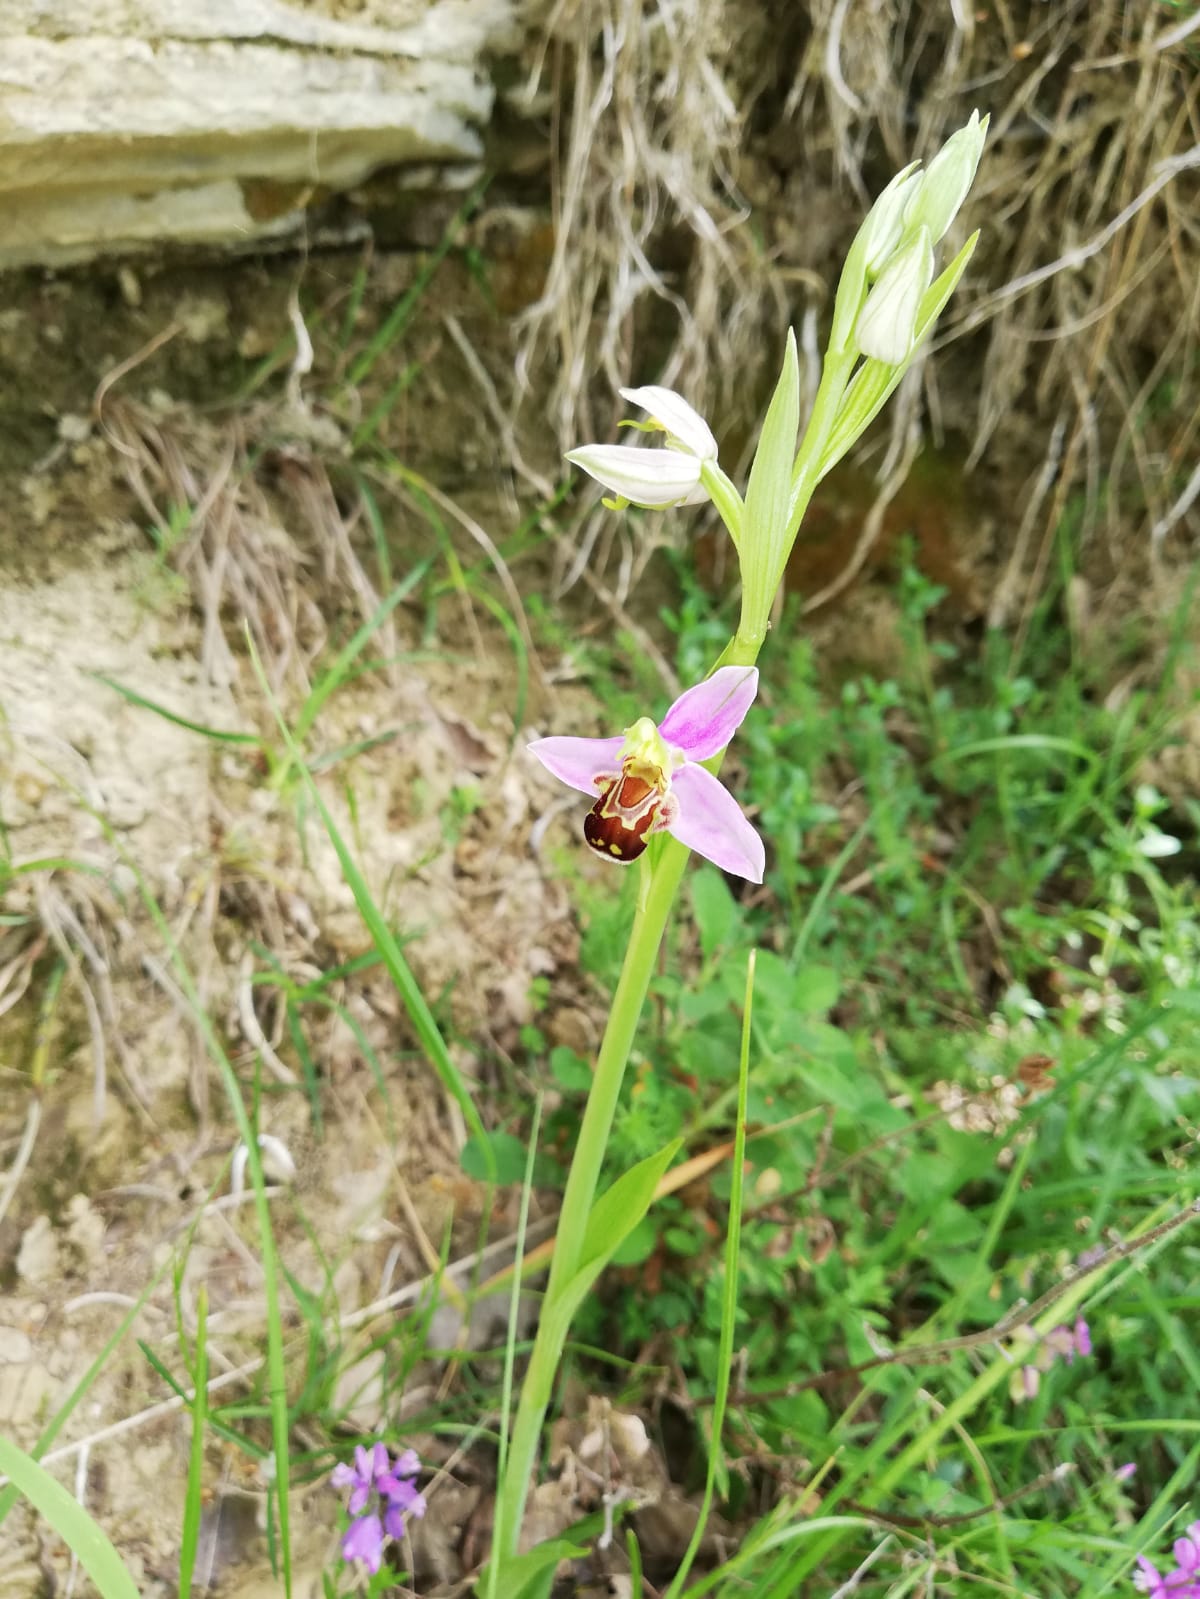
651 780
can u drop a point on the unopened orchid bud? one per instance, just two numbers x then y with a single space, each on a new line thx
934 201
887 323
880 233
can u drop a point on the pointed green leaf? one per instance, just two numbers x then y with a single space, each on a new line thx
70 1521
614 1216
619 1209
529 1576
767 529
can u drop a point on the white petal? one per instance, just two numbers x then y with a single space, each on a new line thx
884 225
672 412
654 478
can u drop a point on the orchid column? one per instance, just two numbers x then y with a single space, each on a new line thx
655 790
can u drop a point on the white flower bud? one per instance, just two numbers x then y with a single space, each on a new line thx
649 477
880 233
933 202
887 322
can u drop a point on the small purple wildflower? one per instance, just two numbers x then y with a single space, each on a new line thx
1125 1473
374 1475
1187 1551
1184 1581
360 1477
364 1541
1060 1343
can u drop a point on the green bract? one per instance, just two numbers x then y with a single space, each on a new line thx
767 529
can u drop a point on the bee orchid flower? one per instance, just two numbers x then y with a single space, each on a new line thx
650 780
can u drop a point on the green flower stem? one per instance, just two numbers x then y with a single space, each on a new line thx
649 925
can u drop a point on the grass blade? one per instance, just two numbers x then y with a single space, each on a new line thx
335 676
217 734
419 1014
192 1506
510 1343
733 1239
70 1520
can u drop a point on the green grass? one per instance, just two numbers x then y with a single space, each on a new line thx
998 882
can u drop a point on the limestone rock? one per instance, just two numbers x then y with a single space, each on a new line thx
131 123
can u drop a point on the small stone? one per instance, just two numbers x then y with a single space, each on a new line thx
73 428
15 1346
37 1258
124 803
85 1229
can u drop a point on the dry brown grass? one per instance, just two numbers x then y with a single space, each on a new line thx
714 157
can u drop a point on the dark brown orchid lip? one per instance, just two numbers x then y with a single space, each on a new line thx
619 824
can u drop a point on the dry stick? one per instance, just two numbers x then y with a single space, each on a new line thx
121 370
252 1028
1166 171
1019 1316
21 968
891 1518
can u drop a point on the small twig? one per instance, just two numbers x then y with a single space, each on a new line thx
851 1584
1019 1316
250 1025
33 1117
893 1518
121 370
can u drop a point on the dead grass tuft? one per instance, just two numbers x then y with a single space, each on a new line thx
715 157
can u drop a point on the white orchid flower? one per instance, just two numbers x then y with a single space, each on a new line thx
655 478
